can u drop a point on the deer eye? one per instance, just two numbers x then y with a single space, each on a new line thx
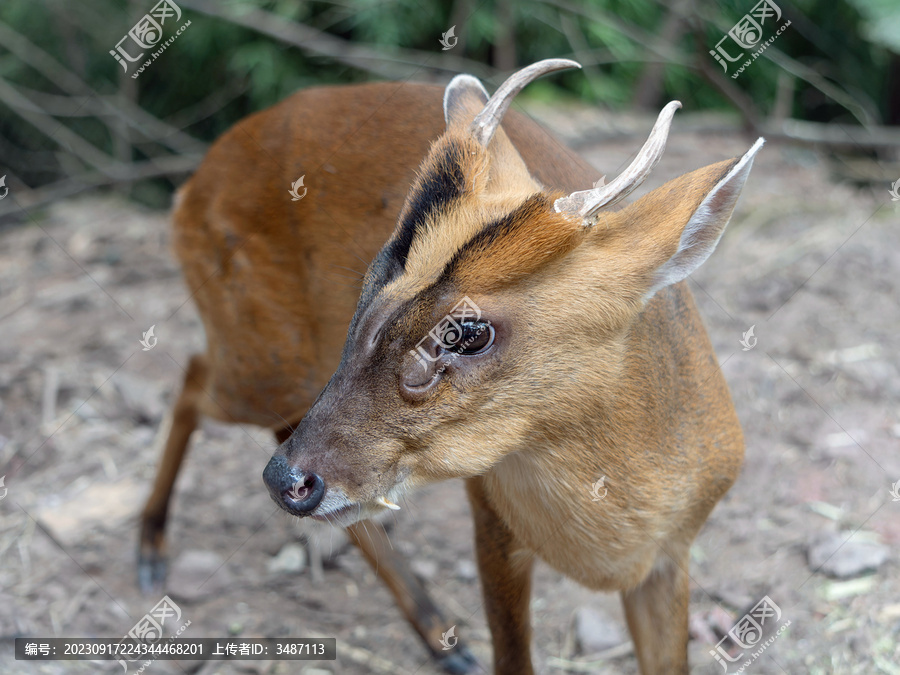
476 337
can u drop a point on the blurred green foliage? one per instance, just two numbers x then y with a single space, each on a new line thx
218 71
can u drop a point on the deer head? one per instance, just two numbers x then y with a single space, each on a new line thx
497 315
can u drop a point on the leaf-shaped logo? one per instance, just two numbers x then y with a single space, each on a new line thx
596 487
149 340
447 637
295 195
449 39
748 340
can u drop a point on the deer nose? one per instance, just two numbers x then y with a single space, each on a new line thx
296 492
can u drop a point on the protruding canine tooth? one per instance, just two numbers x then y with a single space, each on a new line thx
389 505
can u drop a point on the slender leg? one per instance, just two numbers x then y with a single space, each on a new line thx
505 570
151 554
657 613
409 594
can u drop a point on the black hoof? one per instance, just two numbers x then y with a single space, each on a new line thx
459 661
151 568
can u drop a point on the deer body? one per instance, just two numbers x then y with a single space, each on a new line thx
584 355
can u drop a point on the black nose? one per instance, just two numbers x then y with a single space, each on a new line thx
296 492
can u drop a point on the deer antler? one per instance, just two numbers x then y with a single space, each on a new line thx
587 203
486 122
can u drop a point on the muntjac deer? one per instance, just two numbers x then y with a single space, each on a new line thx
514 330
518 332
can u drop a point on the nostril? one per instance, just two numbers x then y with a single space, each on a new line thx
300 490
305 494
296 492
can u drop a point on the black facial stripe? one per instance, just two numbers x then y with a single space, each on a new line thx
494 231
431 192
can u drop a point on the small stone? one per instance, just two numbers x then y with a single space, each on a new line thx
839 590
140 397
831 556
734 598
101 506
87 412
595 631
315 671
198 574
405 548
699 628
291 559
466 570
424 569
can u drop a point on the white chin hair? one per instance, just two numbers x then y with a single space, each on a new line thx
348 518
337 509
353 514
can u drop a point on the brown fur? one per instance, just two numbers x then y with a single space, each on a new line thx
514 247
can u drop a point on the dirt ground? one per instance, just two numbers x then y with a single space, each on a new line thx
810 263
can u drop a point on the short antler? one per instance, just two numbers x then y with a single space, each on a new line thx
486 122
587 203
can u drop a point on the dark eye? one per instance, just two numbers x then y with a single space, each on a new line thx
476 337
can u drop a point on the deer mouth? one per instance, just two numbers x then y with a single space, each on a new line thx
345 513
340 516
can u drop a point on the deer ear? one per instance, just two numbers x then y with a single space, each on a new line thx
707 222
464 98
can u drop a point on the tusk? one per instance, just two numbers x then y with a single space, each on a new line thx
586 203
486 122
388 505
